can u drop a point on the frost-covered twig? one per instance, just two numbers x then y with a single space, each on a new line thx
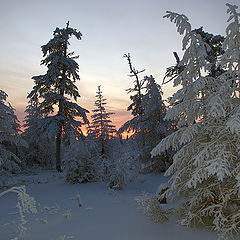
78 198
51 210
65 237
25 204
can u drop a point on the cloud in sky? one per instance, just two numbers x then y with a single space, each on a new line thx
110 28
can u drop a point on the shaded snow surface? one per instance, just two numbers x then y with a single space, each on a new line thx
104 215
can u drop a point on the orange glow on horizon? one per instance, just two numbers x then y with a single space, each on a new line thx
124 135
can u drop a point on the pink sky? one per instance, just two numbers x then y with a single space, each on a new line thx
110 28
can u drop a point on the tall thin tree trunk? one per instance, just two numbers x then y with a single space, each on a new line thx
102 151
58 151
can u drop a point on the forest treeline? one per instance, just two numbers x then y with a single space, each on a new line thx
194 138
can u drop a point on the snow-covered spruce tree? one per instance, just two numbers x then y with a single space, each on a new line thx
136 107
152 124
41 149
206 170
148 110
214 52
32 118
9 136
101 131
101 127
56 86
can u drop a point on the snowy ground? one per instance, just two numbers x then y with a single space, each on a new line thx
104 215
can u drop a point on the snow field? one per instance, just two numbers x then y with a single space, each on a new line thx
104 215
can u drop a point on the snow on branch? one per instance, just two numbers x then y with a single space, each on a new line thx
50 125
180 20
233 123
169 141
230 58
81 111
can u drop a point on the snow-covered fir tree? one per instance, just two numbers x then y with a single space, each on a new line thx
31 132
9 136
154 110
57 86
101 127
206 170
152 126
148 109
32 118
41 149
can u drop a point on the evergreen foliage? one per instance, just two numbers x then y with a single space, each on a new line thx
205 170
56 86
9 136
147 125
101 127
82 161
153 127
32 118
88 159
201 126
41 148
136 106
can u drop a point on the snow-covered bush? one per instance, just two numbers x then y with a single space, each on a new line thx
82 162
124 164
205 172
